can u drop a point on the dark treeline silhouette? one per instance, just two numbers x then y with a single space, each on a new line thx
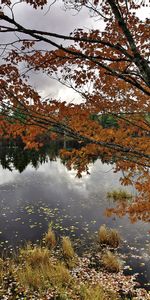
14 155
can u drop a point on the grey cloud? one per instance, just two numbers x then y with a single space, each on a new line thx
56 20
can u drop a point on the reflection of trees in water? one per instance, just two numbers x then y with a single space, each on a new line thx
16 156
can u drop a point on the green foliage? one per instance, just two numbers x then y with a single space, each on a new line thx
106 120
147 117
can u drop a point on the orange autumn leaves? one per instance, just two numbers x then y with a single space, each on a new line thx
109 69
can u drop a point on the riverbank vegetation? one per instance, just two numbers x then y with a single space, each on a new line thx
53 270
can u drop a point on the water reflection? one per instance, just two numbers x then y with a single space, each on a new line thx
16 157
47 192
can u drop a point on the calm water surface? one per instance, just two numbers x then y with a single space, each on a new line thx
76 207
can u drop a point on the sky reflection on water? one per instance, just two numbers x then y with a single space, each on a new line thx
32 199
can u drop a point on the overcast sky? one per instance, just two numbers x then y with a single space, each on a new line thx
57 20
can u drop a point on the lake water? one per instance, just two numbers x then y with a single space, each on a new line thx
48 192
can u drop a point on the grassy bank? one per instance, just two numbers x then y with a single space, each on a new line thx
52 270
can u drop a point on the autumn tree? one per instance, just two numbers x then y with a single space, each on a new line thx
108 67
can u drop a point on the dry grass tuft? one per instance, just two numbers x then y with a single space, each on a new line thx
35 255
67 248
6 267
103 234
108 236
111 262
30 277
114 238
96 293
120 195
60 275
44 276
1 270
36 274
50 239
